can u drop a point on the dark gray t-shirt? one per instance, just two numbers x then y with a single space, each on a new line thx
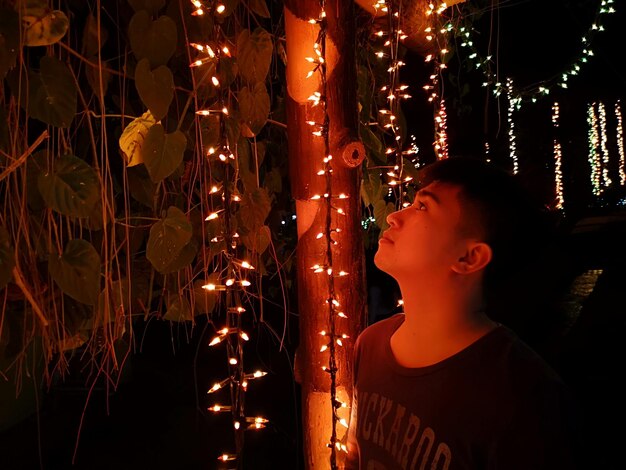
494 405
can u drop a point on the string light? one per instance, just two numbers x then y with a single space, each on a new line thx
542 89
620 143
593 155
558 174
436 34
511 123
332 337
392 93
605 180
230 280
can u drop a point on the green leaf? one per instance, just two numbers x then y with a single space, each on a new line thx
99 218
254 208
72 188
381 210
184 258
167 238
163 153
373 145
178 309
36 165
43 27
7 257
155 87
95 74
259 7
9 40
228 70
254 54
142 188
93 37
233 129
151 6
273 181
378 188
154 40
51 96
204 300
77 271
133 137
255 108
258 240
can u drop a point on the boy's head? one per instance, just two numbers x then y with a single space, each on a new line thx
495 207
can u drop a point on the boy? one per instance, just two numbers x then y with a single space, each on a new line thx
443 385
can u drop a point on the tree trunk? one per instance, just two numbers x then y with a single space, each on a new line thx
306 153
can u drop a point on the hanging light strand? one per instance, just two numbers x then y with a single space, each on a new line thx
541 89
436 33
230 279
605 180
332 337
558 157
393 92
513 101
594 155
620 143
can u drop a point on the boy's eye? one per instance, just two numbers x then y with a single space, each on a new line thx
420 206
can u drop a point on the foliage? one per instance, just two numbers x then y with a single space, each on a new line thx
107 170
114 152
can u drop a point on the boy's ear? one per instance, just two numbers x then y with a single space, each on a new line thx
477 257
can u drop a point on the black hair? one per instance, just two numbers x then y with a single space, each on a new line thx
514 222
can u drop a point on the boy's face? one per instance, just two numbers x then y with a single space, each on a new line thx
426 238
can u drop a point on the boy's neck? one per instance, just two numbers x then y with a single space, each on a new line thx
437 327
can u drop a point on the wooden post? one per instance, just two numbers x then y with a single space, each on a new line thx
306 153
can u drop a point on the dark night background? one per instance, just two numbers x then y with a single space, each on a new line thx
156 418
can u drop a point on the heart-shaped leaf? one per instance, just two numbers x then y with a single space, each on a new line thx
154 40
228 70
184 258
7 257
9 40
178 309
254 54
155 87
151 6
132 139
77 271
72 188
98 77
254 208
381 210
162 153
36 165
51 96
141 186
43 27
167 238
257 240
255 108
94 37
